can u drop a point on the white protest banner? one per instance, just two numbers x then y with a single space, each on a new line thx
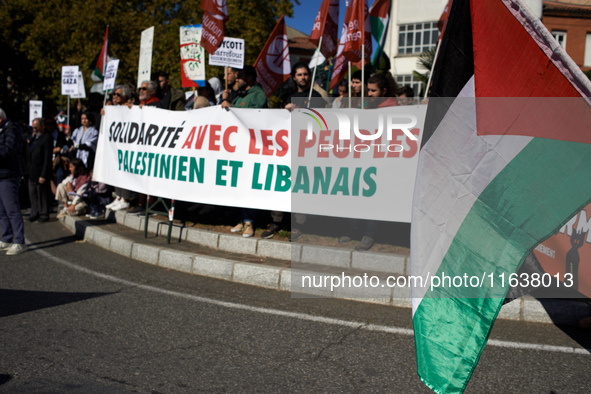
207 155
230 53
249 158
192 57
110 75
69 80
145 62
369 174
35 110
81 90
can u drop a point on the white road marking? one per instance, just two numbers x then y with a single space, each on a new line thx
303 316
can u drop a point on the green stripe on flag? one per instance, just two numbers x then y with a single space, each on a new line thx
530 199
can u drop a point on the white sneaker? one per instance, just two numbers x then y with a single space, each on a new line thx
16 249
5 245
121 206
237 228
113 203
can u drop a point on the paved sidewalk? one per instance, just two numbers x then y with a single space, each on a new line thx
271 264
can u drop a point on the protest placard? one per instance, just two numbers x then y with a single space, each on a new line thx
145 62
35 110
111 75
70 80
230 53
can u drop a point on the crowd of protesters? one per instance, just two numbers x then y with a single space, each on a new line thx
56 163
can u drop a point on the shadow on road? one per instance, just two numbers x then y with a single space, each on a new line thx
14 302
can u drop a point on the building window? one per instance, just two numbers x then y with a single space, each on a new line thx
410 80
417 37
587 61
560 36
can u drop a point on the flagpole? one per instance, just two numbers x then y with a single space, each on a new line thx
69 113
362 73
349 63
314 72
432 68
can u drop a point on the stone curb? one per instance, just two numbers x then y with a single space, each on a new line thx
335 257
525 309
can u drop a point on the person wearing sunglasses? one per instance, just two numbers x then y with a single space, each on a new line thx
147 92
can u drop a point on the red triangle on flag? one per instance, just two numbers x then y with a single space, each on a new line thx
536 106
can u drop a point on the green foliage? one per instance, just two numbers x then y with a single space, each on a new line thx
425 62
40 37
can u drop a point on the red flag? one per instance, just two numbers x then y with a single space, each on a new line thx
358 31
99 64
443 19
326 26
272 65
339 69
214 16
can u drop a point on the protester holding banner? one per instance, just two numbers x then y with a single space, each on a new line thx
147 92
300 74
249 94
40 172
122 96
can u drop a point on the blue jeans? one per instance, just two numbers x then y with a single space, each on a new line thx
11 219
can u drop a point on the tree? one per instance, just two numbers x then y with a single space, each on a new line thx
425 62
39 37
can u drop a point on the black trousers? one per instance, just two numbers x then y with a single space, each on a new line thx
39 196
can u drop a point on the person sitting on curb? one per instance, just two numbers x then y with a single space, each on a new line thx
70 192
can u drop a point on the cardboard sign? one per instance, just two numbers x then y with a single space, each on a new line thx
192 57
35 110
111 75
70 80
230 53
145 62
81 90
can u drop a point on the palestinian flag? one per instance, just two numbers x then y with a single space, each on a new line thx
99 64
505 162
379 16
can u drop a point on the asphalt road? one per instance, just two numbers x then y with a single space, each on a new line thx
77 319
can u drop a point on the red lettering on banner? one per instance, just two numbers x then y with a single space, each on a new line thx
267 138
414 148
305 144
214 137
201 136
323 140
396 134
282 138
189 140
227 146
252 148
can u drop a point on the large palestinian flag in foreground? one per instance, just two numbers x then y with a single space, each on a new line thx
505 162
